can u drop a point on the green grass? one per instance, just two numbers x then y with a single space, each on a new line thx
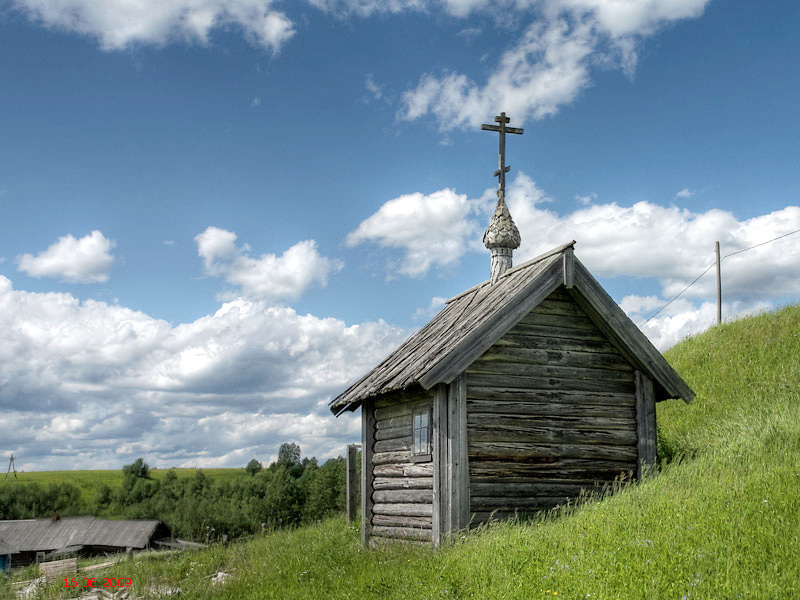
89 482
720 519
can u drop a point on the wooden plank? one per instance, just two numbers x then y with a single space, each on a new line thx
403 533
556 357
568 422
537 370
537 319
556 478
458 455
393 445
568 267
403 483
403 496
56 569
390 412
407 509
616 324
388 458
495 323
401 521
502 382
440 483
571 397
392 433
525 452
367 454
402 397
645 422
552 411
351 485
404 470
391 423
544 435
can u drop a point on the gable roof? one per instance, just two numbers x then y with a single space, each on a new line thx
31 535
5 548
474 320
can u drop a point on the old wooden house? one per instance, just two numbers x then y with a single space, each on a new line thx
522 392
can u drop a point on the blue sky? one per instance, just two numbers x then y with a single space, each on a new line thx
215 214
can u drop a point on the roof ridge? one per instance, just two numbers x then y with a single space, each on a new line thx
525 265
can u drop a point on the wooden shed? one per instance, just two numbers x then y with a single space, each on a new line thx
522 392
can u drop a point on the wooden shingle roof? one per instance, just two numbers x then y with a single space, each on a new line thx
475 319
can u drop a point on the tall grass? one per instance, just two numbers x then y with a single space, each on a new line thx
719 519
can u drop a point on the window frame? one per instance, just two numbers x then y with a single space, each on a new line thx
427 410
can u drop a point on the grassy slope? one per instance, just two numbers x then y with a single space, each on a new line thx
90 481
721 521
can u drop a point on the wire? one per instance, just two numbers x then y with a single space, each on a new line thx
714 263
762 243
675 297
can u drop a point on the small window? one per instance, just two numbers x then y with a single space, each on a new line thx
421 433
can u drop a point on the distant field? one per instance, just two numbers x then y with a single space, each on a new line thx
90 481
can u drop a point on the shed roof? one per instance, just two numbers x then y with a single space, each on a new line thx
475 319
34 535
5 548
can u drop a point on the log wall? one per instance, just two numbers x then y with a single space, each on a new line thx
551 411
402 490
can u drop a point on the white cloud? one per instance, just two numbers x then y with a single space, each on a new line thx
84 260
586 199
373 88
118 24
432 230
685 193
426 314
366 8
92 383
549 65
268 277
255 102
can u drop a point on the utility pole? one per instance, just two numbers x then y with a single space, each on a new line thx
719 288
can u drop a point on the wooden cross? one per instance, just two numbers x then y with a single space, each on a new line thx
502 130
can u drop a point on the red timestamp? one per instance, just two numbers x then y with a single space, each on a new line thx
102 582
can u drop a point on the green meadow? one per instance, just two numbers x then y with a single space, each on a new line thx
719 518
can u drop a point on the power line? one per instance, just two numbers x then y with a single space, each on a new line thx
713 264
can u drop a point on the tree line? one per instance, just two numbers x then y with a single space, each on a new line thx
290 491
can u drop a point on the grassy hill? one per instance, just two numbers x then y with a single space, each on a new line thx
721 519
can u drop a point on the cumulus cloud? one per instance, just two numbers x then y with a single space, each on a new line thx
118 24
375 90
685 193
549 64
432 230
268 277
84 260
366 8
104 384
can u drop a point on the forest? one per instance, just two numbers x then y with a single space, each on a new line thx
290 491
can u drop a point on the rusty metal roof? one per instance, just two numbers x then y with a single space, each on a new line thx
36 535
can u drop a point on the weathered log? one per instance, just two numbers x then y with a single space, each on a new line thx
392 433
400 521
520 340
393 445
404 470
562 468
509 504
393 411
524 451
403 533
504 368
548 411
576 398
565 358
556 306
398 398
544 435
403 483
570 421
407 510
537 318
569 333
553 478
510 382
403 496
533 490
403 421
388 458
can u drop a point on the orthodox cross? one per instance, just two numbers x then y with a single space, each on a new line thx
502 130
